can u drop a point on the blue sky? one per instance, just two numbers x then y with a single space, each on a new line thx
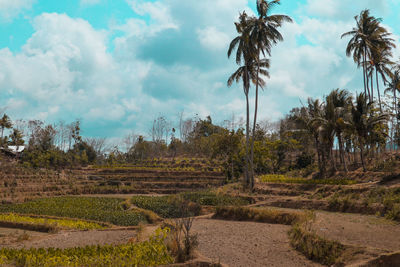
118 64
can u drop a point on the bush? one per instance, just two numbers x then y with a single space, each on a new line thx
314 247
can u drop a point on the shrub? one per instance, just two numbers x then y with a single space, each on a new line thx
314 247
257 215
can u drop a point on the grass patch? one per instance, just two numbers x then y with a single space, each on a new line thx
47 224
171 206
277 178
315 247
257 215
150 253
107 210
165 206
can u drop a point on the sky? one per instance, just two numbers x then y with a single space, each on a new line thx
118 64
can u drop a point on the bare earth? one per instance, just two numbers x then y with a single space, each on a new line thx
372 232
69 239
247 244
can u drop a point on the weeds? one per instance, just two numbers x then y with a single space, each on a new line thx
257 215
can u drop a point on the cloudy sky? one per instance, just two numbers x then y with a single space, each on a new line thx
118 64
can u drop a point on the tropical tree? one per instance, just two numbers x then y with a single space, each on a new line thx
5 123
247 74
394 87
381 62
364 122
263 32
366 37
16 138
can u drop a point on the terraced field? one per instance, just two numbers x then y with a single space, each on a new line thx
149 177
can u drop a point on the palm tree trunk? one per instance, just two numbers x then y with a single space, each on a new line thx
246 170
341 151
377 87
365 82
366 75
254 125
372 87
362 157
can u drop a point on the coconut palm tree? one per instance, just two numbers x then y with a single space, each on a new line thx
365 37
263 33
381 62
308 118
364 122
244 52
394 87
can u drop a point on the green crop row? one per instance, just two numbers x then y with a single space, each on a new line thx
108 210
58 223
277 178
150 253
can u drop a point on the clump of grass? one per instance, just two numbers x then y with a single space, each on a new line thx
170 206
278 178
314 247
257 215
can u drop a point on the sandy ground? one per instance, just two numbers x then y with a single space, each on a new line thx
359 230
67 239
247 244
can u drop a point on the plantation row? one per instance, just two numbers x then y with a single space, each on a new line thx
171 206
51 223
108 210
150 253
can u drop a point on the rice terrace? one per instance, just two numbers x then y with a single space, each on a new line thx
238 133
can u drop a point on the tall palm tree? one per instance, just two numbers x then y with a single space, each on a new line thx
381 62
244 52
263 33
248 74
365 37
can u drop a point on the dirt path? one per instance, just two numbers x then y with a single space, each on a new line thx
359 230
67 239
247 244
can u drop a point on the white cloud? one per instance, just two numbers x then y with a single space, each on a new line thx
212 38
11 8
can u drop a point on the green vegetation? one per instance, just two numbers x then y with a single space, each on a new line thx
171 206
315 247
257 215
56 223
275 178
385 201
99 209
150 253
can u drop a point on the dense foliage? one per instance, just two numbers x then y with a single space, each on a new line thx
99 209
